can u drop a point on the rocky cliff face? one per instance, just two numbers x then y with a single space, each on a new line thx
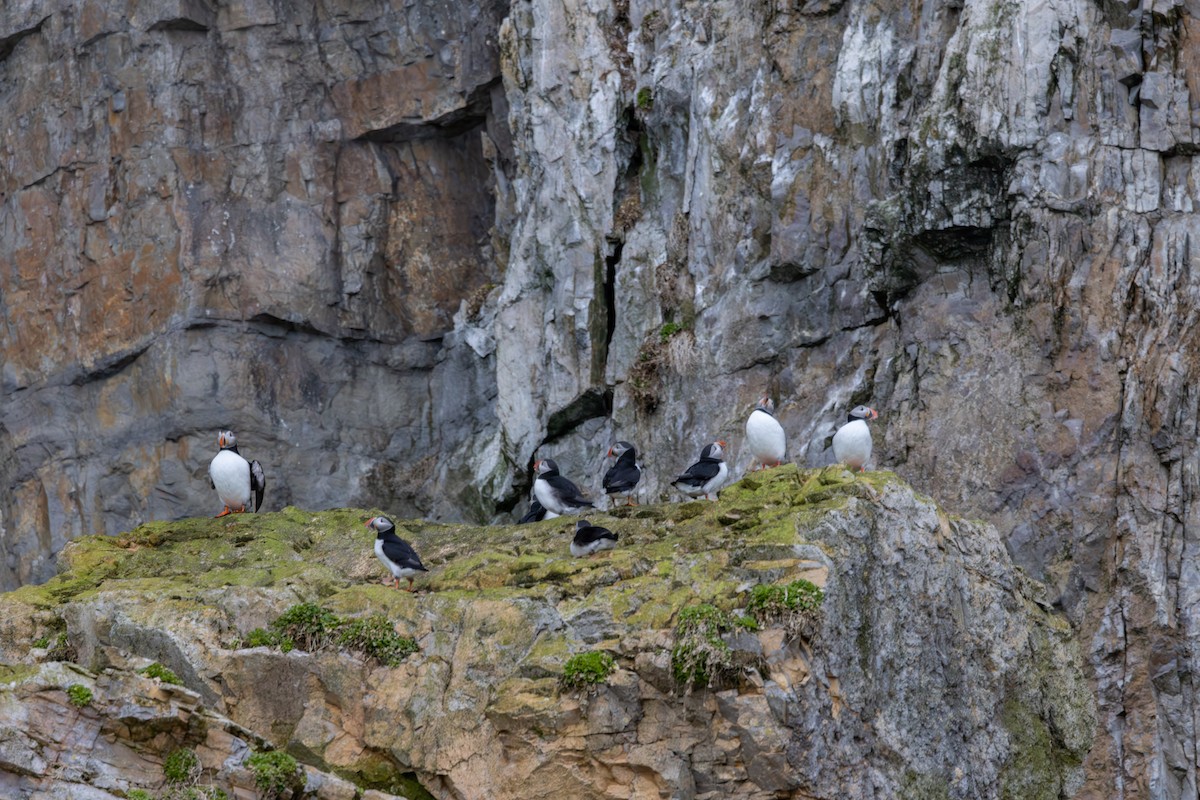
401 249
930 669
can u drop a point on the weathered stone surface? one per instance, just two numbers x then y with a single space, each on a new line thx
974 215
934 661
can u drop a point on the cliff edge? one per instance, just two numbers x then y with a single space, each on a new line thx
921 664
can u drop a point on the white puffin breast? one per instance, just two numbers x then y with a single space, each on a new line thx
852 444
765 437
230 475
718 479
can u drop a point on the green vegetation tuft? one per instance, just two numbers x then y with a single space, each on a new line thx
139 794
669 329
310 627
645 98
585 670
307 625
275 773
375 636
157 670
182 767
700 656
795 606
79 695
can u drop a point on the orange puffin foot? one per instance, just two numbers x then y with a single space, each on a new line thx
223 513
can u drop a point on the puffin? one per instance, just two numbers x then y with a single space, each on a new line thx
622 477
591 538
395 553
536 513
706 475
852 442
556 493
235 478
764 435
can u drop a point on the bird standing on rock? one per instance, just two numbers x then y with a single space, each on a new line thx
706 475
622 477
852 442
235 478
395 553
764 435
591 538
555 492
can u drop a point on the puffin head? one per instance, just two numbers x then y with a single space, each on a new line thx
226 440
766 404
714 451
581 524
380 524
863 412
619 449
545 465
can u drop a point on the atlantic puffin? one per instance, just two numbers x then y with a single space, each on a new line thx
764 435
234 478
622 477
395 553
591 538
536 513
555 492
706 475
852 442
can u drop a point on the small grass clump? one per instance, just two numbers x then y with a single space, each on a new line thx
795 606
157 670
700 656
376 637
645 98
585 670
79 695
275 773
182 767
309 627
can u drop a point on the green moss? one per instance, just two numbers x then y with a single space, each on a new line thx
914 786
645 98
138 794
668 330
157 670
275 773
182 766
79 695
584 670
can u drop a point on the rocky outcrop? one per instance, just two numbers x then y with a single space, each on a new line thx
933 668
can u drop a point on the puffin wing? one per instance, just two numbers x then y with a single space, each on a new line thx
593 533
258 483
567 492
401 553
536 513
621 478
699 473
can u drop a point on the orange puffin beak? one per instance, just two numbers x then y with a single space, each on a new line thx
368 522
874 414
721 443
220 440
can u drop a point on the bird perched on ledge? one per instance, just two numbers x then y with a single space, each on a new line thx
622 477
852 442
235 478
395 553
555 492
706 475
591 538
764 435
